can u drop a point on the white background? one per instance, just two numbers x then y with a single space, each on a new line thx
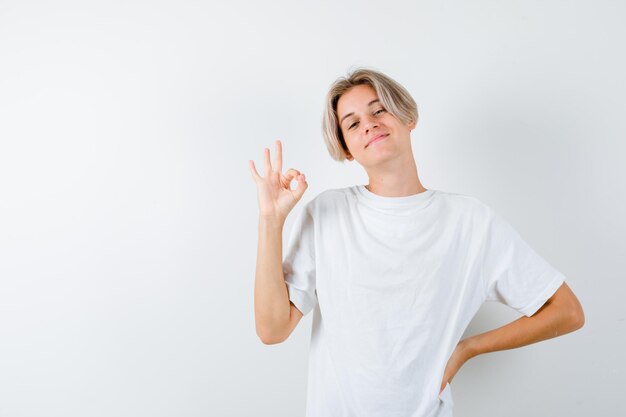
128 214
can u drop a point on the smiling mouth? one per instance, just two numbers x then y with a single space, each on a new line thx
381 137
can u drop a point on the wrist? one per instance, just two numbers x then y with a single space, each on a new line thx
271 221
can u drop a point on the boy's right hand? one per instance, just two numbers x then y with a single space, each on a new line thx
276 198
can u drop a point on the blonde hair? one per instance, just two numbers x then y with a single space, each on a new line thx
394 98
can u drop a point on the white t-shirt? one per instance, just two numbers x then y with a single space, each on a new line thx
393 283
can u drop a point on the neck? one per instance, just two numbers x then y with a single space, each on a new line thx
398 178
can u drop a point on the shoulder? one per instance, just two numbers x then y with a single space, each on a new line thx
466 205
331 199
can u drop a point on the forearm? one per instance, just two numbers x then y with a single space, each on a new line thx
549 322
271 298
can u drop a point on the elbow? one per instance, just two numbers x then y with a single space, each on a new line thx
575 317
579 318
269 336
270 339
573 311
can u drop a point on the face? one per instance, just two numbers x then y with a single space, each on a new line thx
362 119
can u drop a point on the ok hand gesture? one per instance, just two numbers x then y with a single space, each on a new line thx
276 198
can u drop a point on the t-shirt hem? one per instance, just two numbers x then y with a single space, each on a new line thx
300 299
548 292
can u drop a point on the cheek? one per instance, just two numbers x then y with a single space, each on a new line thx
351 139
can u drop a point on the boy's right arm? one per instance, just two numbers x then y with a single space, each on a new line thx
275 315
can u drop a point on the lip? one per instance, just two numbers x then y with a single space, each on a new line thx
377 138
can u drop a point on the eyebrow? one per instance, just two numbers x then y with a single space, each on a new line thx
350 114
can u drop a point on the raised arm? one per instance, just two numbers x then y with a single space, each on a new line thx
275 315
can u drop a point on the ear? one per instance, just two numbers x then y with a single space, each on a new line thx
412 125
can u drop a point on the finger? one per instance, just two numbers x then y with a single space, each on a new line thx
255 174
302 186
292 173
279 156
268 164
289 176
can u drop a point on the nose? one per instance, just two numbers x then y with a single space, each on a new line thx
370 123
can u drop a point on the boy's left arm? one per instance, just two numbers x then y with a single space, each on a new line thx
560 314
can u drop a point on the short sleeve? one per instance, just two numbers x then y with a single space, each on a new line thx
299 262
513 273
